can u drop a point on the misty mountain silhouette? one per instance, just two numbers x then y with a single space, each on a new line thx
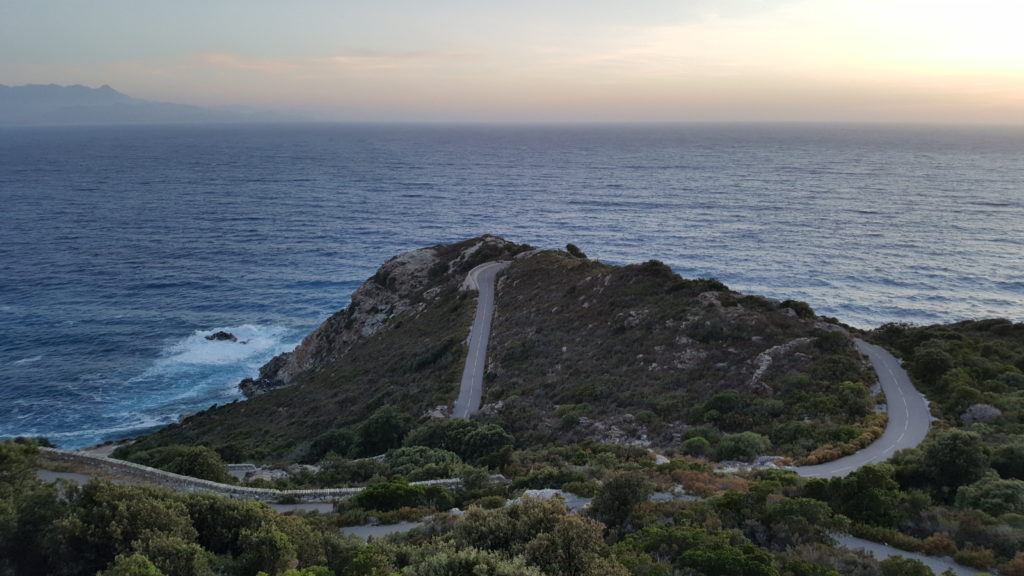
52 104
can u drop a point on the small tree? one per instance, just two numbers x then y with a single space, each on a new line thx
570 549
954 458
615 500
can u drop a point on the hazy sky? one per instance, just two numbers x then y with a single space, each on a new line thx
594 60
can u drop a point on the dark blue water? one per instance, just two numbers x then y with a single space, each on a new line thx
122 247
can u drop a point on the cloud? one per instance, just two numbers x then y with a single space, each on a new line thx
365 60
372 61
237 62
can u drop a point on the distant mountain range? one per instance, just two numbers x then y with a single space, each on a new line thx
54 105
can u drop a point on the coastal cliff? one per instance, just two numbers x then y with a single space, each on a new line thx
405 284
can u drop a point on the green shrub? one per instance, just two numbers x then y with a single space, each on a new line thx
744 446
489 502
422 463
802 309
585 489
194 461
886 536
696 447
338 441
390 496
900 566
382 431
993 495
976 557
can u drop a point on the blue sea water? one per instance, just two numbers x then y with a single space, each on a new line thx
120 248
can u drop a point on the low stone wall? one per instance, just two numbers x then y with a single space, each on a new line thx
181 483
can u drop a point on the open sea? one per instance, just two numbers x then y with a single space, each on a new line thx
120 248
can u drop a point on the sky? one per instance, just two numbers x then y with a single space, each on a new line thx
905 61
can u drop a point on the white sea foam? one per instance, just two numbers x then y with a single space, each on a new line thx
27 360
131 424
253 342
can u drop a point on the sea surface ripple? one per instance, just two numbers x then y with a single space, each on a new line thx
121 248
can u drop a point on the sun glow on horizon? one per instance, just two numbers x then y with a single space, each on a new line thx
873 60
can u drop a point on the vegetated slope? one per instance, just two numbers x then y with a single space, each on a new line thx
577 345
973 374
964 365
400 343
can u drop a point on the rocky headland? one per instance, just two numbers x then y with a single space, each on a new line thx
579 350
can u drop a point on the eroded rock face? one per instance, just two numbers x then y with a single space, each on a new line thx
405 283
267 379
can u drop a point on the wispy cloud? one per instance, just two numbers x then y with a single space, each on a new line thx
238 62
371 62
364 60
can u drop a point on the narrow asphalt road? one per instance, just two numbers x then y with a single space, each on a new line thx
937 564
909 418
480 278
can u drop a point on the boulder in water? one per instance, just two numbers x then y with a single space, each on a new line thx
222 336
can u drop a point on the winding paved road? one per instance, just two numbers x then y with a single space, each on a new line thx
480 278
937 564
909 418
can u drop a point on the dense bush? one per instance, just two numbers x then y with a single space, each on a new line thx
899 566
696 446
869 495
744 446
422 463
993 496
954 458
382 431
120 530
390 496
194 461
339 442
471 440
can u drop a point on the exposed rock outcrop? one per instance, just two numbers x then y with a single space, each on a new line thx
404 284
222 336
764 361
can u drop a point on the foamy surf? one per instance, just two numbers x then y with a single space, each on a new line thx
252 342
133 423
189 374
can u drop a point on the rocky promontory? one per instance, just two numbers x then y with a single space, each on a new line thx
580 350
406 283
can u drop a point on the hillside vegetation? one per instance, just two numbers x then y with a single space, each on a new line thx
588 363
400 344
580 347
580 350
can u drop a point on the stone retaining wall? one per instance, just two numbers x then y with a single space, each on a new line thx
181 483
